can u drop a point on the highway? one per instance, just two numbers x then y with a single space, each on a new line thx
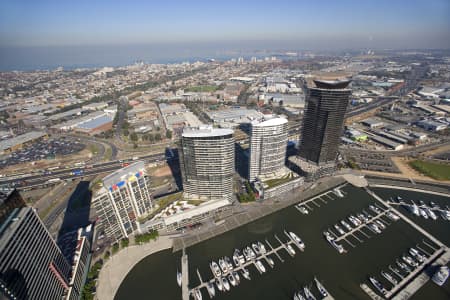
41 178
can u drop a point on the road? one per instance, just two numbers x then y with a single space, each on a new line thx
39 179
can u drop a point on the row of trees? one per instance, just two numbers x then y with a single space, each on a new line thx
249 196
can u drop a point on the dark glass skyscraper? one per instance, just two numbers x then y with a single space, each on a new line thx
323 121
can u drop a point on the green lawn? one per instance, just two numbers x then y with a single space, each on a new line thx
433 170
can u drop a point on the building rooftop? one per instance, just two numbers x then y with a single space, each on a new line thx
20 139
332 84
94 123
123 174
206 131
269 121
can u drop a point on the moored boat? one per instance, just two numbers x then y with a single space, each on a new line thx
211 289
219 284
389 277
260 266
215 269
308 293
226 284
378 285
179 278
245 273
441 276
320 288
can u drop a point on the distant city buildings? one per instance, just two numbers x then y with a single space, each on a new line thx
124 197
323 121
268 142
207 163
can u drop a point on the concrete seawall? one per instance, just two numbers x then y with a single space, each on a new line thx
120 264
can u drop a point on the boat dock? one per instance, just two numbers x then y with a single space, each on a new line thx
358 228
263 257
410 283
184 276
321 197
405 204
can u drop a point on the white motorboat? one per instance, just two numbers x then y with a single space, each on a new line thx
223 265
392 216
328 236
374 227
197 294
236 261
302 209
423 213
211 289
338 193
251 253
308 294
404 266
409 261
215 269
226 284
389 277
262 248
240 256
236 276
232 280
431 213
219 284
380 224
179 278
339 229
290 249
337 246
346 225
245 273
260 266
441 276
378 285
229 263
270 261
256 249
321 288
415 253
414 209
297 240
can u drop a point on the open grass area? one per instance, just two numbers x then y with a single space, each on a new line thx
434 170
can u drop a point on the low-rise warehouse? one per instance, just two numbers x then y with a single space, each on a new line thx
18 142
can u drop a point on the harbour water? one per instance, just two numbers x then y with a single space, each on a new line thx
155 276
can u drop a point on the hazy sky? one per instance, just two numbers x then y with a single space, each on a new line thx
271 24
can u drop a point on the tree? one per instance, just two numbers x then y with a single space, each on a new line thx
158 137
168 134
135 146
151 138
134 137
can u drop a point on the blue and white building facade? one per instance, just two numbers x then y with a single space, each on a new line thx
124 197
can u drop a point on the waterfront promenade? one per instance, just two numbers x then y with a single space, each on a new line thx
254 211
118 265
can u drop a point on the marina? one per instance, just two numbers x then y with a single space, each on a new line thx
156 274
226 271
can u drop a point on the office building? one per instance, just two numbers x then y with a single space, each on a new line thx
31 264
123 198
207 163
323 121
268 142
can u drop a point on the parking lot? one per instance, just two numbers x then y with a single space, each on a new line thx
48 149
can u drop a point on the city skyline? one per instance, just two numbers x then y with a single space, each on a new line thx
112 33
